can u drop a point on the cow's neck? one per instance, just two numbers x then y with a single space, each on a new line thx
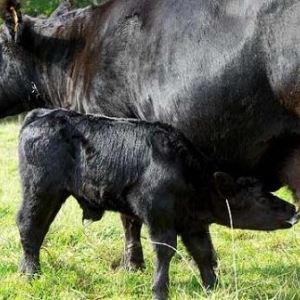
57 47
72 72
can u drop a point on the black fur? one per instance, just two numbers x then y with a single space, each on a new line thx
148 171
223 72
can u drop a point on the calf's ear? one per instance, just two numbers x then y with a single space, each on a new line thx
225 184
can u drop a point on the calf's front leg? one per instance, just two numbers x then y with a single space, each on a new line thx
164 244
200 247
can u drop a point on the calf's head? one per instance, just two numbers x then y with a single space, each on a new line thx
249 205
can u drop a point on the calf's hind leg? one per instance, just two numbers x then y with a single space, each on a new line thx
33 219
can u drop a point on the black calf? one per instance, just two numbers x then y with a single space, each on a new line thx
148 171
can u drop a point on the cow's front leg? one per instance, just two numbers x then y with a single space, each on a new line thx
290 174
200 247
133 258
164 244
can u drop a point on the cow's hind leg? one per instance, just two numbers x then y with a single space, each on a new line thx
33 219
133 258
200 247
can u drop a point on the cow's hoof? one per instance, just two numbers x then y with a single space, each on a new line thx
130 266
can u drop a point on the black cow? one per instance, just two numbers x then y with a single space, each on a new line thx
148 171
226 73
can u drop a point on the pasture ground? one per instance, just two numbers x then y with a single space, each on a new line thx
76 259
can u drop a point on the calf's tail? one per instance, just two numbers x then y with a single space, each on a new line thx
35 115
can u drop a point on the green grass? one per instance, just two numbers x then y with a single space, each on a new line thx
37 7
76 259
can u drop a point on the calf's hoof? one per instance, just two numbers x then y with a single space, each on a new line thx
210 281
30 270
159 293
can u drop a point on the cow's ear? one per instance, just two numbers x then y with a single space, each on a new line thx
225 184
10 12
